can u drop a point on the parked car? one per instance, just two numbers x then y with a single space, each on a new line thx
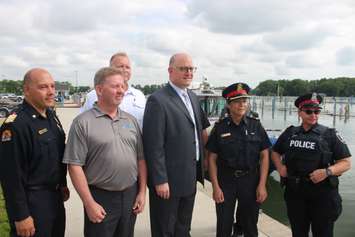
7 106
11 96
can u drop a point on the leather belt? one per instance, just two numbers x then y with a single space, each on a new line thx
50 187
240 173
298 179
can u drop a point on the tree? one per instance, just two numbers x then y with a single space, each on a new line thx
268 87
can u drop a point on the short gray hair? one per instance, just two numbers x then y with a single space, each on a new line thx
103 73
119 54
172 60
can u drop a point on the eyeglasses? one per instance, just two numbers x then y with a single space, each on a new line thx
186 69
309 111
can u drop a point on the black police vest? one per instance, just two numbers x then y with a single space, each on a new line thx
306 152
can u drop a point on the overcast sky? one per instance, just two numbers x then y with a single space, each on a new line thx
229 40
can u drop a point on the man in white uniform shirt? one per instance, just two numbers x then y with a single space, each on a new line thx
133 101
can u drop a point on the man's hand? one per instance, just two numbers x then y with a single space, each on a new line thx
318 175
261 193
95 212
65 193
138 206
218 195
163 190
26 227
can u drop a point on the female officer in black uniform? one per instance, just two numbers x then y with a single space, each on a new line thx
238 164
313 157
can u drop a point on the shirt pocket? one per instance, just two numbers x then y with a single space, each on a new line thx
253 144
229 147
48 147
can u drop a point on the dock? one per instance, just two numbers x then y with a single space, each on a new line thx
204 215
203 221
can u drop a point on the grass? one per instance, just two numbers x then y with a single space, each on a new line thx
4 224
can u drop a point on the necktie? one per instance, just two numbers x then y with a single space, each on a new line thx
191 112
189 106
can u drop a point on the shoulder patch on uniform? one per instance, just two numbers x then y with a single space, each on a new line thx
226 134
11 118
340 137
2 120
6 135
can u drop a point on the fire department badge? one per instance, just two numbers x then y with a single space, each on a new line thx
6 135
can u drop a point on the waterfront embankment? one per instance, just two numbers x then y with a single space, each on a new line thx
204 217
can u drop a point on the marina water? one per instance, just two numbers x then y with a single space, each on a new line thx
275 114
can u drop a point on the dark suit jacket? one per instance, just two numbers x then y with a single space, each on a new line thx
169 141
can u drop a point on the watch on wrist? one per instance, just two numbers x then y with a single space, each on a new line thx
328 172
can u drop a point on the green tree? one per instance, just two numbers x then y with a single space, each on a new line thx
268 87
11 86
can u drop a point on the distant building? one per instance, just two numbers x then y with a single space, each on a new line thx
62 89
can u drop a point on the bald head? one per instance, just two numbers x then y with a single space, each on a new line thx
181 70
39 89
32 74
178 56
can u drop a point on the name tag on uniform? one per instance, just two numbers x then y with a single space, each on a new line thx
226 134
43 130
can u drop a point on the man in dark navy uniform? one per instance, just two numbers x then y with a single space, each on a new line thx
309 158
238 164
33 177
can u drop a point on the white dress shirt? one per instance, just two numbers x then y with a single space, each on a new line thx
187 102
133 103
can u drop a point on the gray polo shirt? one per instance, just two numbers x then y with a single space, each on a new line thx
107 149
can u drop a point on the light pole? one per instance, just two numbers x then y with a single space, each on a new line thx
76 81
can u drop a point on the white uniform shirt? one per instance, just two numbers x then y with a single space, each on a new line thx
133 103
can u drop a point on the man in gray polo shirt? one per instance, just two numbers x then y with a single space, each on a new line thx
105 156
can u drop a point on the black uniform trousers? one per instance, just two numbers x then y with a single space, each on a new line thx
47 210
119 220
170 217
244 189
312 206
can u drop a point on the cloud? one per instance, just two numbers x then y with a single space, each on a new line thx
299 61
297 38
246 40
241 17
346 56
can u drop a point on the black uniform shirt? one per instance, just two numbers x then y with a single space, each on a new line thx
336 144
31 149
238 146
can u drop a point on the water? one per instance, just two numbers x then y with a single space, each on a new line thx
275 206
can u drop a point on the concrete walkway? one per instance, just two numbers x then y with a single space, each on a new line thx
204 217
203 224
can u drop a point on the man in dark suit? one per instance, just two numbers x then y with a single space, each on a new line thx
174 135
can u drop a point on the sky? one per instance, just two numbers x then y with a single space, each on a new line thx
229 40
